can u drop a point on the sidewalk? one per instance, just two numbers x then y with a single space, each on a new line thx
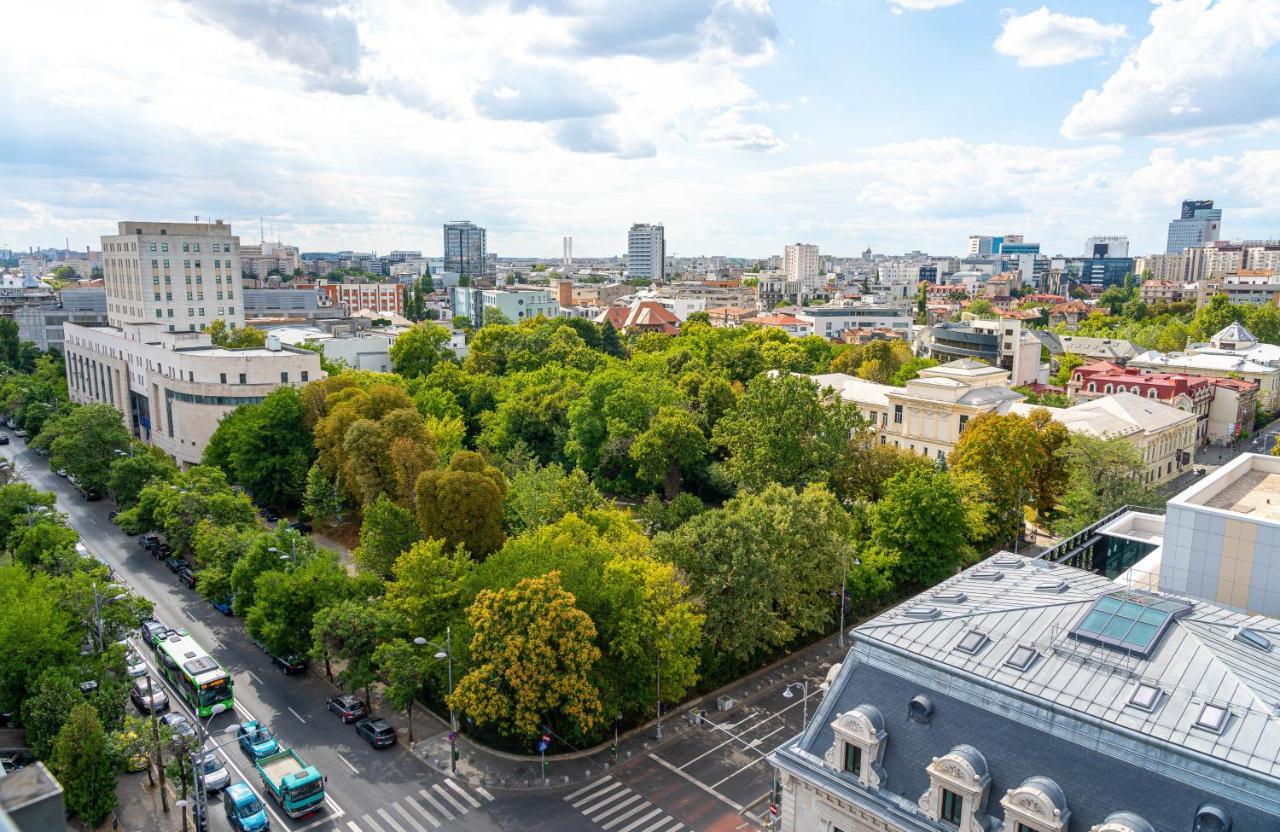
138 807
487 768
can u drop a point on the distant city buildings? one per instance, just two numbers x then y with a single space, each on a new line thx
800 263
466 250
1106 247
1200 223
646 252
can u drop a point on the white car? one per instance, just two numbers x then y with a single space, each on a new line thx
213 773
134 664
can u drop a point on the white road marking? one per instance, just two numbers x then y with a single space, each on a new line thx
613 785
722 780
439 808
354 770
430 818
410 819
483 793
655 827
372 824
620 818
642 819
390 820
586 789
475 803
298 715
352 825
462 810
695 781
617 807
255 678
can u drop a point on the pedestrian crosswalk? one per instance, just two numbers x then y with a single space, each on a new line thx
428 810
616 808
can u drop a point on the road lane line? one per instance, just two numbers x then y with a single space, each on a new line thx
617 807
475 803
616 784
372 824
620 818
586 789
635 823
430 818
462 810
390 820
655 827
352 826
354 770
410 819
255 678
736 773
447 814
299 716
737 807
483 793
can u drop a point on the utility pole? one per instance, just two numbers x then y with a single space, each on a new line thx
155 736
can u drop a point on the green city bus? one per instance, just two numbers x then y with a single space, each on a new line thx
196 675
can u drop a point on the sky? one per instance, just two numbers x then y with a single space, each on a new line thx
742 125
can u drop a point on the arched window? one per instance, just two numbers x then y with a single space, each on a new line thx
1107 389
1038 805
1093 387
958 786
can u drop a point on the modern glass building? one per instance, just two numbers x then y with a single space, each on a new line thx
1199 224
465 249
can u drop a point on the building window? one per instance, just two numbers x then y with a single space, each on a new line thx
243 379
153 246
284 377
852 759
897 414
222 378
306 375
952 804
964 420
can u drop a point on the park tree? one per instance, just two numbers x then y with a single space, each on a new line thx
763 567
656 515
265 447
47 545
1067 362
386 531
235 338
415 352
1264 323
19 501
85 443
44 713
142 465
532 655
286 601
1214 316
541 495
35 633
350 630
784 432
405 669
428 587
176 507
920 523
1050 477
462 504
82 762
217 550
671 445
1102 476
865 467
532 409
323 499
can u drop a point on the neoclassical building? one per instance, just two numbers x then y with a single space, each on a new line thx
1024 696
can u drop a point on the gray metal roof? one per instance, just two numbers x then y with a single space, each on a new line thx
1067 715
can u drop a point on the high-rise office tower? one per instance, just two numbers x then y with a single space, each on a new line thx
800 262
465 251
568 251
1199 224
646 251
181 275
1106 247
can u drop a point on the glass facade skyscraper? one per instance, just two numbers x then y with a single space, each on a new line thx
465 249
1199 225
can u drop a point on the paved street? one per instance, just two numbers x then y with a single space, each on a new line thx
708 777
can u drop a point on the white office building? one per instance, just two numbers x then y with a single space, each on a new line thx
646 252
1106 247
800 263
179 275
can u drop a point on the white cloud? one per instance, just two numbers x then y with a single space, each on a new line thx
728 130
1045 38
898 6
1204 65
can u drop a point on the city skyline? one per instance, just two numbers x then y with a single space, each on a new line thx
726 119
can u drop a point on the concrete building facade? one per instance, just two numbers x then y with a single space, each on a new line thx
800 262
647 251
466 249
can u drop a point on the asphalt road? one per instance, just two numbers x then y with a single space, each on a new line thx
368 790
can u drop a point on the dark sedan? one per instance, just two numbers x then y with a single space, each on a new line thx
376 732
349 708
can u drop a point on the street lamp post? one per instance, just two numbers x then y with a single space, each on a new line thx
804 691
657 675
200 806
446 653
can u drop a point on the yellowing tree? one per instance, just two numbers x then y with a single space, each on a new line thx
462 505
532 654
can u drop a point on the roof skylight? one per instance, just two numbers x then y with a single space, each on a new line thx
1054 587
1130 621
1253 638
950 597
1144 696
971 642
987 576
921 612
1213 718
1021 657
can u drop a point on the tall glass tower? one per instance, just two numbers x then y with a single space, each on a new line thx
464 249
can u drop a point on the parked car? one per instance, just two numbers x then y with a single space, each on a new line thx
245 811
111 515
176 564
20 433
17 760
152 632
258 644
213 773
270 515
348 707
223 606
163 551
187 578
135 762
62 472
179 725
42 451
134 665
156 702
149 541
256 740
90 495
4 439
376 731
289 665
301 527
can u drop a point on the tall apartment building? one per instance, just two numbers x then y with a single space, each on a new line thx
1199 223
465 249
179 275
1174 268
152 360
647 251
567 259
800 262
1106 247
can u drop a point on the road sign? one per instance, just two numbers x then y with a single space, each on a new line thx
773 810
453 736
544 744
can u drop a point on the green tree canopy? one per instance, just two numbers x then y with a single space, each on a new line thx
415 352
266 448
921 524
85 441
386 531
462 504
82 762
129 474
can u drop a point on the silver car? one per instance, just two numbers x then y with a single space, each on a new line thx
134 664
155 703
213 773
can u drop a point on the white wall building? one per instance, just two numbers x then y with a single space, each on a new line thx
800 262
646 251
180 275
833 319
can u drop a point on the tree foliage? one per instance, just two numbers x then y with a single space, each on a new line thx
417 351
84 441
386 531
266 448
462 504
921 525
82 762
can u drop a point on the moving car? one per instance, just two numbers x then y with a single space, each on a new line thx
289 665
155 703
348 707
213 773
62 472
134 665
179 725
153 631
256 740
376 732
245 811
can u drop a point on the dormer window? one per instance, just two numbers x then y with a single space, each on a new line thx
1038 805
958 786
858 746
